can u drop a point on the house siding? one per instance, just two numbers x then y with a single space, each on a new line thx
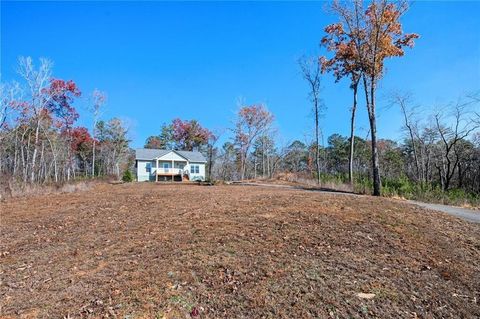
201 171
142 174
180 159
172 156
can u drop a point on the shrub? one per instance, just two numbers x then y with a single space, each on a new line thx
363 185
127 176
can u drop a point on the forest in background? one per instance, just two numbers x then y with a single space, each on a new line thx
40 142
438 158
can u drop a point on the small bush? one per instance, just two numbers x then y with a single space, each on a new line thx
127 176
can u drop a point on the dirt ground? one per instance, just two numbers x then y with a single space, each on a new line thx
179 251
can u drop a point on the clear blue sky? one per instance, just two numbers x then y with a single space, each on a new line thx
194 60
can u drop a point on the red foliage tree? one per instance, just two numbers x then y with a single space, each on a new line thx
189 135
81 143
59 98
81 140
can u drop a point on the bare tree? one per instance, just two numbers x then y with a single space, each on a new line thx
475 98
98 100
403 101
8 97
252 121
37 80
450 136
311 72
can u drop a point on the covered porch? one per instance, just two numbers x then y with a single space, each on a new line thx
171 170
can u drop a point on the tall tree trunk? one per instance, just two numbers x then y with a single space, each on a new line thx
263 159
243 170
352 133
243 160
370 99
377 184
460 176
15 157
268 167
317 140
210 161
34 156
40 162
375 162
93 156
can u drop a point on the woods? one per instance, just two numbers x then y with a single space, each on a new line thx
438 158
40 142
437 155
239 159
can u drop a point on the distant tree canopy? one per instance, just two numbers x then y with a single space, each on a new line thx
180 135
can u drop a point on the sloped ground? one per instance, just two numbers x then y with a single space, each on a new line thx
154 251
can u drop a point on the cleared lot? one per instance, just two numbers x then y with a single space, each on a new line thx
146 250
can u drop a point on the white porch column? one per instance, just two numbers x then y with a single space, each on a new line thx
156 172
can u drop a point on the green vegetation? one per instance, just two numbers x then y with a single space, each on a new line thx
405 188
127 176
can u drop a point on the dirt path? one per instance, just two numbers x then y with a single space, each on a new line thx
463 213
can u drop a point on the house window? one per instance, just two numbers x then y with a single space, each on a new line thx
148 167
195 169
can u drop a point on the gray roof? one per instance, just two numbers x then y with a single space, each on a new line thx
192 156
150 154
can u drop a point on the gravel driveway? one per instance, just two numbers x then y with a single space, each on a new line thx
463 213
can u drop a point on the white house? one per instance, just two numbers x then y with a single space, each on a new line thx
157 165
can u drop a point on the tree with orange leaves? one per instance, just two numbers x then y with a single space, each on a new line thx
362 40
344 63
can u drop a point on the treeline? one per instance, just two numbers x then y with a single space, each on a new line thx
439 153
438 159
39 139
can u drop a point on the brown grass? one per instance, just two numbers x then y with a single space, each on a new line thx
148 250
10 188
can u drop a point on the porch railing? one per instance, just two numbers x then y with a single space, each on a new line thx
170 171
